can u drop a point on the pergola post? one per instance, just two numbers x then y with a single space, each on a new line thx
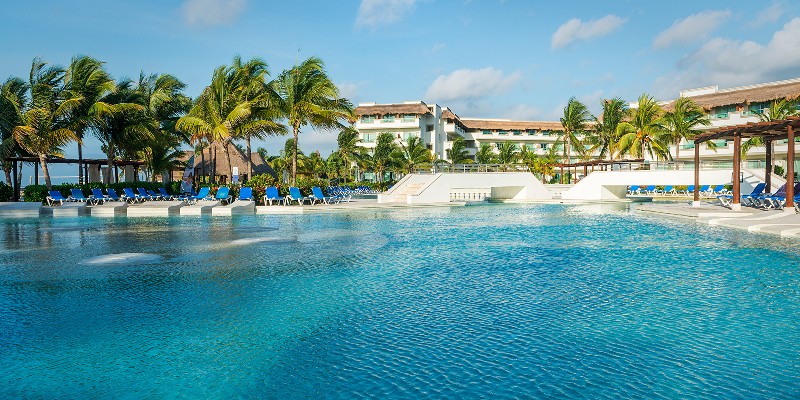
789 207
15 183
737 164
768 160
36 173
696 197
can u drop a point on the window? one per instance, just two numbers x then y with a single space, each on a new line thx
470 144
529 146
429 128
388 118
409 117
546 133
503 133
368 137
516 133
531 132
486 132
544 146
367 119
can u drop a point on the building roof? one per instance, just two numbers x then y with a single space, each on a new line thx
402 108
238 159
479 124
747 94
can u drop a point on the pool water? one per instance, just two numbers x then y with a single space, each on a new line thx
500 301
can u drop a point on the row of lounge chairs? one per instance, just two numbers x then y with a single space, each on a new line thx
348 191
670 190
765 201
98 197
295 196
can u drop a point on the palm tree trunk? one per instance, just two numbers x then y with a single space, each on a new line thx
296 130
214 167
677 155
227 144
203 161
79 133
249 159
45 171
7 170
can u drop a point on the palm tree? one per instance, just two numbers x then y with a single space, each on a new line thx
575 118
645 133
381 158
87 81
13 96
458 153
348 147
162 154
778 109
506 152
307 96
44 127
315 164
485 154
683 121
411 154
604 136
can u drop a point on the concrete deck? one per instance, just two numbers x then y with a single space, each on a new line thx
19 209
202 207
238 207
109 209
354 205
774 222
155 208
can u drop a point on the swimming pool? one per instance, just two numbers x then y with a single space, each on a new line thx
501 301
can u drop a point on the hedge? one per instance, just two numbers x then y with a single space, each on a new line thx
6 192
38 193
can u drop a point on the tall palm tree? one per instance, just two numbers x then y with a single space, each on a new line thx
307 96
458 152
381 158
87 81
778 109
315 164
44 127
506 152
683 122
604 135
349 150
485 154
576 116
13 97
411 154
645 132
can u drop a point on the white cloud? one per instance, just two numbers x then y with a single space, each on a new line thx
348 90
524 112
575 30
694 27
471 84
728 62
374 13
211 12
770 14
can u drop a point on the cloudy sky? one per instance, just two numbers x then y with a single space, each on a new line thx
484 58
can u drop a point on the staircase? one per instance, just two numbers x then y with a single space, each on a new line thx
402 195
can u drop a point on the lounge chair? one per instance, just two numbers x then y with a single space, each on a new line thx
669 190
223 195
55 197
145 195
165 195
77 195
97 197
649 189
689 190
272 195
705 191
746 199
633 189
132 197
318 196
112 194
726 198
761 202
777 201
295 195
203 194
718 190
246 194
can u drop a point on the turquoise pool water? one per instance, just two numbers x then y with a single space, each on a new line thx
500 301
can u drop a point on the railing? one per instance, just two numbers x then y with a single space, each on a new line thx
469 168
470 194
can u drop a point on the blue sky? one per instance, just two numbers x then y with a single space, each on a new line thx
482 58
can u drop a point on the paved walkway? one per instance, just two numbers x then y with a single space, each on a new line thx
774 222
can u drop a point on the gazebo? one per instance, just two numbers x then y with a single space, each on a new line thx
770 131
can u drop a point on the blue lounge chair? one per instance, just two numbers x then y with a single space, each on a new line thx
223 195
97 197
112 194
760 201
718 190
746 199
727 198
669 190
165 195
295 195
272 195
705 190
147 196
246 194
132 197
77 195
318 196
203 194
689 190
55 197
778 200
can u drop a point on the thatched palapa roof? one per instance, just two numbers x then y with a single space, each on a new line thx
383 109
508 125
238 159
746 95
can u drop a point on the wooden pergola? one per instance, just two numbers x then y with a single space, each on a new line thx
770 131
602 165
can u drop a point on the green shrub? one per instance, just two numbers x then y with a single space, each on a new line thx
6 192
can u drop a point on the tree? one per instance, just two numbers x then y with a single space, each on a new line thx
645 133
411 154
778 109
348 147
307 96
458 153
574 121
604 137
88 83
44 125
506 153
13 97
382 157
683 121
485 154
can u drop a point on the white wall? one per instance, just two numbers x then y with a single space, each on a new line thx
612 185
508 185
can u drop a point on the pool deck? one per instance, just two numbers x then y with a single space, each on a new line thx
781 223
